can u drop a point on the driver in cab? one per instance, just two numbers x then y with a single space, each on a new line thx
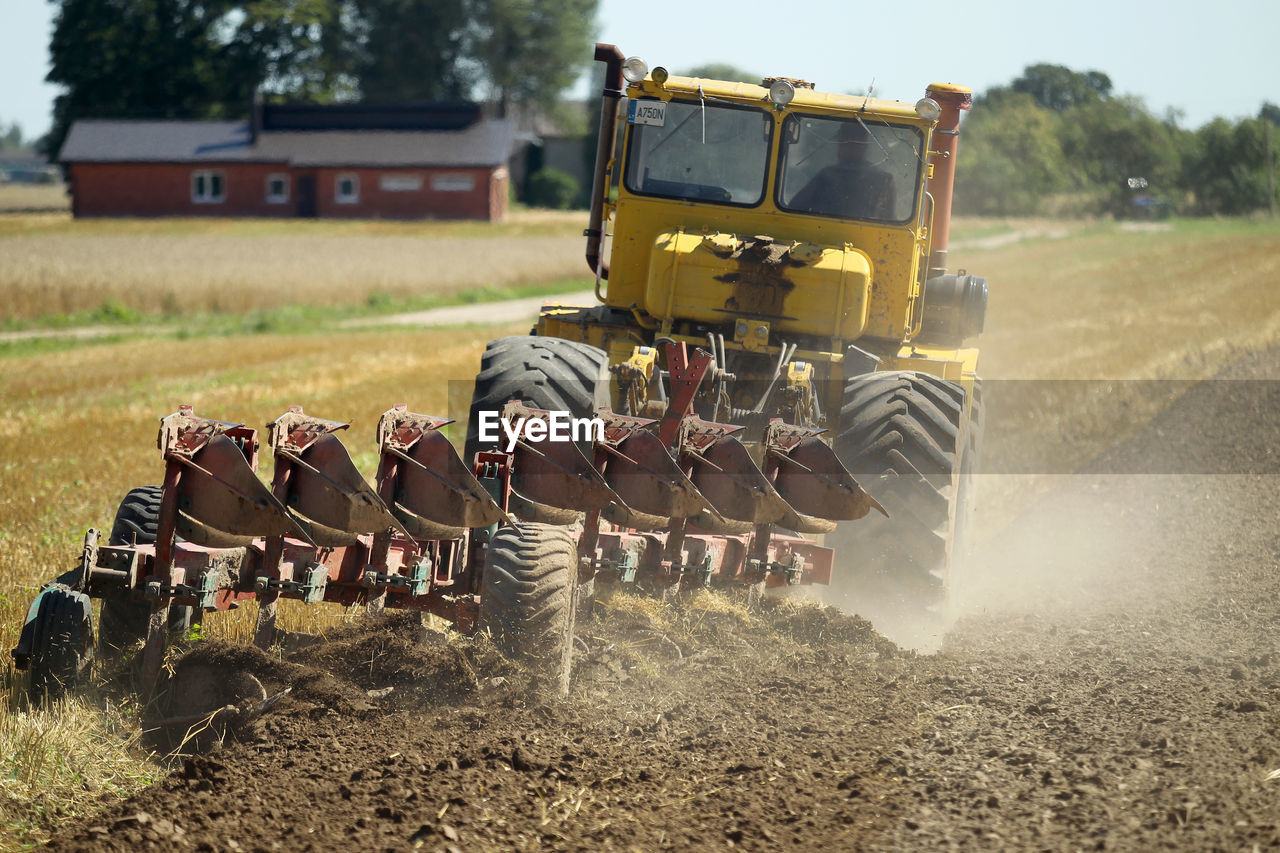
853 187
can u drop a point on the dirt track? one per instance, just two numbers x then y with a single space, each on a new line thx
1117 686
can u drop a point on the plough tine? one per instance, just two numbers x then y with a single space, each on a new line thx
814 482
222 503
809 475
436 495
556 474
330 497
734 485
644 475
326 494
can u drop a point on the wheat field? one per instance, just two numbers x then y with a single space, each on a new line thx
53 266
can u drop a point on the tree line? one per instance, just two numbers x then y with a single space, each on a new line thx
1054 141
201 59
1057 141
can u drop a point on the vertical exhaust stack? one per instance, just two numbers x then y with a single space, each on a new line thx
612 59
942 157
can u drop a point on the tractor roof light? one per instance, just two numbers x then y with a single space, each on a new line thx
660 75
634 69
781 92
928 109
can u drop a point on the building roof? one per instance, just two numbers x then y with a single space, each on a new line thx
485 143
434 115
156 141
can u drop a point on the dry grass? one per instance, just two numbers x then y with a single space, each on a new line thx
1114 303
79 431
61 762
52 265
31 198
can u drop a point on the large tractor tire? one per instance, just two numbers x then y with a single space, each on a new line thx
123 621
905 437
527 594
549 373
61 644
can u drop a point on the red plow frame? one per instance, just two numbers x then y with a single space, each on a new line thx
677 501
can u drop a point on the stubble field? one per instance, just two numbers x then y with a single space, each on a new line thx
1096 303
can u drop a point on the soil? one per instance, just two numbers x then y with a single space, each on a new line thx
1115 684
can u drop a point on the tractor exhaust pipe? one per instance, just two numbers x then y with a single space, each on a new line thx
953 99
609 97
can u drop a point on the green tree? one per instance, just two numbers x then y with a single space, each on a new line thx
1058 88
512 51
552 188
307 48
1010 157
191 58
530 51
11 139
1227 170
1107 142
415 50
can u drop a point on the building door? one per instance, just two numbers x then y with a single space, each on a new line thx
307 195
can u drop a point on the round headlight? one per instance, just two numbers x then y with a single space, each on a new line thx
660 75
781 92
634 69
928 109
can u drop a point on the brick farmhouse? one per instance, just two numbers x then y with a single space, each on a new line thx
403 161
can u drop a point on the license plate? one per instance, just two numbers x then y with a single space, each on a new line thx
647 112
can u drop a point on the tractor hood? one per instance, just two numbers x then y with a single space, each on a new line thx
793 287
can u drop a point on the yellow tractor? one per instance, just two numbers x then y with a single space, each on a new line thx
800 238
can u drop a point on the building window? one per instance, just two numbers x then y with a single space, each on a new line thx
277 188
347 189
393 183
453 182
208 187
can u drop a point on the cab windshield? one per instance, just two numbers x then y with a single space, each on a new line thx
702 152
849 168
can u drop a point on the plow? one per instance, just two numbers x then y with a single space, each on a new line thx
660 504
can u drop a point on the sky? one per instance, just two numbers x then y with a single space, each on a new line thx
1202 59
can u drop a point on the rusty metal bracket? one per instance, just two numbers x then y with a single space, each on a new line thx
792 570
623 565
204 596
310 591
416 584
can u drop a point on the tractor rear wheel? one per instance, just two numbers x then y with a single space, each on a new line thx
548 373
905 437
123 621
61 644
527 597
